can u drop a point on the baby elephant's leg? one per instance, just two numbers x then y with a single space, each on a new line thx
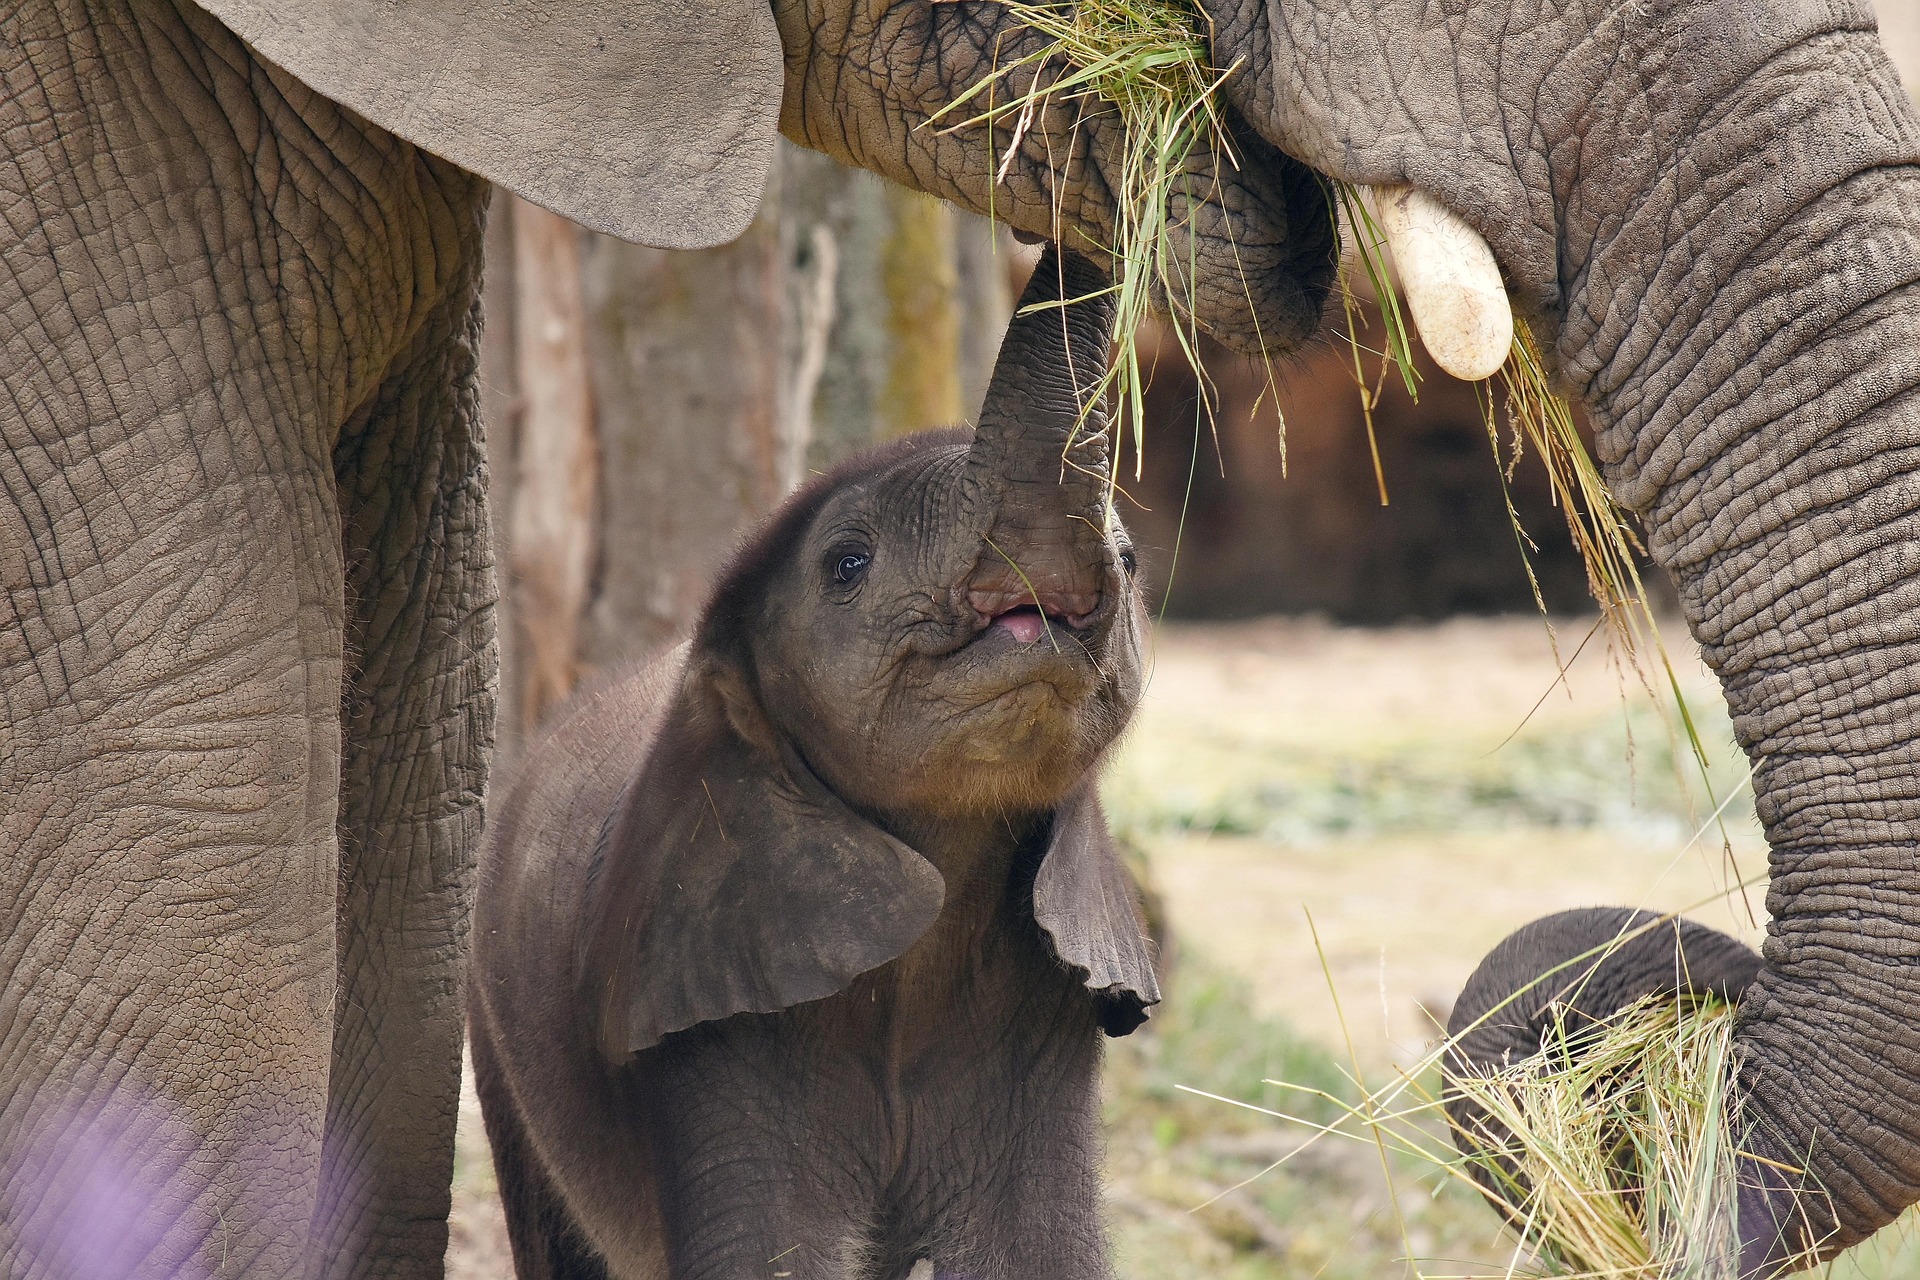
765 1219
546 1243
1039 1218
1020 1193
770 1158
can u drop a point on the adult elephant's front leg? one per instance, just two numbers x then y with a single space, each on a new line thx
169 730
205 271
170 659
421 667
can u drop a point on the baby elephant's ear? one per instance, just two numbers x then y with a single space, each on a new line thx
1086 901
730 880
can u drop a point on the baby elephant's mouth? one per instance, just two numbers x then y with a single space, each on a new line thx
1028 620
1025 624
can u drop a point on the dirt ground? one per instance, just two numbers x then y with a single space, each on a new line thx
1417 791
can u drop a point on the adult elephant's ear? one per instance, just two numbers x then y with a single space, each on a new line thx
1087 903
729 879
650 120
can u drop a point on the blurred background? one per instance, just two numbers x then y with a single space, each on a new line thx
1364 756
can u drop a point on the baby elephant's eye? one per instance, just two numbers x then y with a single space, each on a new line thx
1129 561
850 565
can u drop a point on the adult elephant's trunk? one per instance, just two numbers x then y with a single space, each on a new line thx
1784 500
1710 210
1036 480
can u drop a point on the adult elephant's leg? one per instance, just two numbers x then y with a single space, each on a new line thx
170 660
169 721
204 272
419 725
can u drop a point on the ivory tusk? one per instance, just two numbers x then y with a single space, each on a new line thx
1449 278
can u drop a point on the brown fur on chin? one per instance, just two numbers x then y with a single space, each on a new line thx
1027 774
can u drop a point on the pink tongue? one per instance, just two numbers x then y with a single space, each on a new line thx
1025 625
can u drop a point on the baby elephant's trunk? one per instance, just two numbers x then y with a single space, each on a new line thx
1038 473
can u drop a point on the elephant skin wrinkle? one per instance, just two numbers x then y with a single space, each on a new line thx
237 323
798 941
654 122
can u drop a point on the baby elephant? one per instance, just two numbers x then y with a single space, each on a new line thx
793 949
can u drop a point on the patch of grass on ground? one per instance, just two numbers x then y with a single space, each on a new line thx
1177 1161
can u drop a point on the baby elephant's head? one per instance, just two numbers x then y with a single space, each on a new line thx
950 625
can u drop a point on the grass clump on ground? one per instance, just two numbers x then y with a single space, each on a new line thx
1555 774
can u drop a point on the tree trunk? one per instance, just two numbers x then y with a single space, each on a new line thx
555 468
920 301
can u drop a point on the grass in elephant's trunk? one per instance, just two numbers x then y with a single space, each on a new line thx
1149 61
1612 1151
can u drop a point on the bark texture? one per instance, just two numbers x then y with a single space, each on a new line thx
557 462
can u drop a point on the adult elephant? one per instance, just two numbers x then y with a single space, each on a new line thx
246 649
1712 210
242 476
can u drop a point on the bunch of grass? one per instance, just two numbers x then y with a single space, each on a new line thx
1612 1151
1370 253
1147 61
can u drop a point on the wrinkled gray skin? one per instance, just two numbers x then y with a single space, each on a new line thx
246 634
797 942
242 479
